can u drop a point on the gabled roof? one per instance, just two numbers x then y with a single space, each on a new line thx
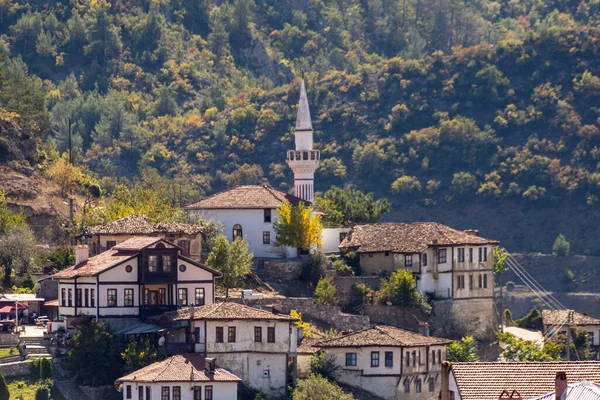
247 196
576 391
138 224
407 237
180 368
559 317
383 335
225 311
137 243
303 120
487 380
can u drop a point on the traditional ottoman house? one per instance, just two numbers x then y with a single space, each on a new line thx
557 321
103 237
180 377
390 362
137 278
257 345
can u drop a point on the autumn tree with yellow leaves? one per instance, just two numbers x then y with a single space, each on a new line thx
297 226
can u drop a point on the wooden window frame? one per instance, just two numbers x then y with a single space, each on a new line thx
389 359
219 337
231 334
350 359
165 393
374 359
108 298
182 300
258 334
208 392
176 392
199 290
267 215
271 334
266 237
127 303
442 254
408 261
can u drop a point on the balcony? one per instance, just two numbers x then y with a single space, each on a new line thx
305 155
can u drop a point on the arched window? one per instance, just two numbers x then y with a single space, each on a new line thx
237 231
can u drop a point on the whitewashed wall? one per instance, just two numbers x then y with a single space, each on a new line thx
330 239
221 390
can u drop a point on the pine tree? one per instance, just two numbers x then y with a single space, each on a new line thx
4 392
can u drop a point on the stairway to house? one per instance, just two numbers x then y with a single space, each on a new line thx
65 384
35 347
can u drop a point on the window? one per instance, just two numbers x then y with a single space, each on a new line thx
111 297
128 297
350 359
257 334
267 215
167 262
271 334
480 254
141 393
182 296
374 359
185 247
199 298
485 281
231 334
387 253
431 383
148 392
441 256
64 297
471 255
86 297
197 392
406 386
460 282
461 254
70 297
414 357
152 263
196 335
418 385
165 393
408 260
92 297
407 359
219 334
237 231
485 254
176 392
128 392
432 357
110 244
470 281
208 393
389 359
162 297
439 358
78 298
266 237
480 281
424 259
591 338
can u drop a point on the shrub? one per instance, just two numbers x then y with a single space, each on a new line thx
317 387
45 369
463 183
533 320
508 321
568 275
325 293
464 350
400 289
313 268
406 185
510 285
324 365
42 393
4 393
561 247
35 365
341 268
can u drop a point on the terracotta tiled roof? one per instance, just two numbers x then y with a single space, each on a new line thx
137 243
140 225
383 335
95 265
407 237
225 310
559 317
51 303
180 368
249 196
486 381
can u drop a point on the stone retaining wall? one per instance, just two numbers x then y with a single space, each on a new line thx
286 268
9 339
401 317
19 368
344 286
97 393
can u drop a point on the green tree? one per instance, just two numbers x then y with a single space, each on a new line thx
139 355
406 185
561 247
533 320
8 218
516 349
325 365
325 292
218 38
42 393
232 260
318 388
500 258
400 289
45 369
4 392
17 247
297 226
463 183
94 354
351 206
104 41
463 350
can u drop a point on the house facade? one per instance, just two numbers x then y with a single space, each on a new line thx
137 278
180 377
557 321
257 345
390 362
103 237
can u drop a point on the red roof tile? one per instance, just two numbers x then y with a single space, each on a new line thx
559 317
95 265
137 243
248 196
487 380
137 224
383 335
225 310
180 368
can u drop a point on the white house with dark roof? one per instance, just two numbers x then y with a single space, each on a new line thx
390 362
137 278
180 377
257 345
557 321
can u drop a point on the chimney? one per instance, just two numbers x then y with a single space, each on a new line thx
560 384
211 363
424 328
445 394
472 232
82 254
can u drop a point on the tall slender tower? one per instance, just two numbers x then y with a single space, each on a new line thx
304 161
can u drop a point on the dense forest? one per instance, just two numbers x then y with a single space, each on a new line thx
441 106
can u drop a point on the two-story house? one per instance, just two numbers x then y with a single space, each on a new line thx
257 345
137 278
103 237
557 321
390 362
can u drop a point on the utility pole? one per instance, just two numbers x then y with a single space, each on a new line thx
569 322
71 212
501 304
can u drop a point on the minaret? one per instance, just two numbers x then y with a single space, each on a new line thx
304 160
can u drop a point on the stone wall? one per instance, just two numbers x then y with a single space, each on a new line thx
401 317
344 285
9 339
287 268
98 393
18 368
119 323
457 318
316 313
47 288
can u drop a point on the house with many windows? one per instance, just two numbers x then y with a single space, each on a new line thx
137 278
180 377
257 345
390 362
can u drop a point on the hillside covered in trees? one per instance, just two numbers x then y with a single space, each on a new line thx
482 114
